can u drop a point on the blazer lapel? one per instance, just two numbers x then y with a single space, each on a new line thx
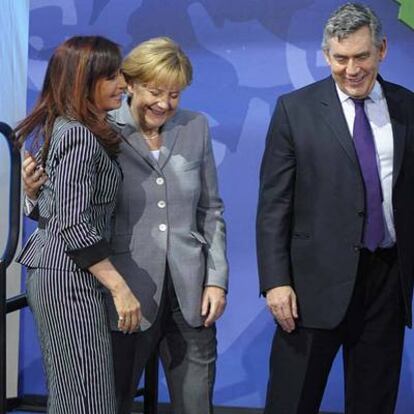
169 135
131 136
136 142
332 112
399 128
334 116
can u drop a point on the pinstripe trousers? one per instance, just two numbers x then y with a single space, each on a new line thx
74 337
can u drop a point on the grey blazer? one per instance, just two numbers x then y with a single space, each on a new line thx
168 211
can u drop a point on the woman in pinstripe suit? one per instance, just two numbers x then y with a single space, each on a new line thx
68 254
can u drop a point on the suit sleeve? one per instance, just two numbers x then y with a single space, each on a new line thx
30 208
75 180
210 219
274 216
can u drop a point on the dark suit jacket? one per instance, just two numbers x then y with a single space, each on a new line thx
311 206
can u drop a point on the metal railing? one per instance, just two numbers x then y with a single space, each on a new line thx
150 390
9 252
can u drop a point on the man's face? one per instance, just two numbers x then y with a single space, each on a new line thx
354 62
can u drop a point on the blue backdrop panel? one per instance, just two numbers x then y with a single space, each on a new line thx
13 68
245 54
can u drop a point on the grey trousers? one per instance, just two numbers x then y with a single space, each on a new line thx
188 356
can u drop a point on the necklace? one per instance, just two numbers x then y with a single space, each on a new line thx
150 138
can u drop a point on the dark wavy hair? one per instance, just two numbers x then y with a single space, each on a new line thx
68 90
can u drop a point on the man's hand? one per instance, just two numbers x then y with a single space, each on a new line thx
282 304
213 304
33 176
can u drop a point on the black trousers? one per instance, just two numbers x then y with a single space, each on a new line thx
188 355
371 334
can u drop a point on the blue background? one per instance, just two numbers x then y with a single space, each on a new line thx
245 54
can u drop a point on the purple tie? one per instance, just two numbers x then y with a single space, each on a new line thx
365 148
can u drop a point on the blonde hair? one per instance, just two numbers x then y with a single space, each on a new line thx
160 60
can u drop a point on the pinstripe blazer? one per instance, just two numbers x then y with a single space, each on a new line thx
75 203
168 210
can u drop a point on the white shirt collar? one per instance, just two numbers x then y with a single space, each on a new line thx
122 116
376 94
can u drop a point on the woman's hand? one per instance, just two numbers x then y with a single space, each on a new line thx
33 176
128 309
213 304
126 304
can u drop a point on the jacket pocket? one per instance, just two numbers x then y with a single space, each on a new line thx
300 235
186 166
199 237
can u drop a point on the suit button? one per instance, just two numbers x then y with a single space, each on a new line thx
361 213
357 247
162 227
159 180
161 204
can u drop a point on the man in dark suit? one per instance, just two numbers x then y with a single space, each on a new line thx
335 226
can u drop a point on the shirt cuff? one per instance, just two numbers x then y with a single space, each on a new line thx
30 204
88 256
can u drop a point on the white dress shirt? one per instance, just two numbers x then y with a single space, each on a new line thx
378 115
156 154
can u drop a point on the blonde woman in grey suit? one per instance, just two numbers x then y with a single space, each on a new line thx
68 255
168 233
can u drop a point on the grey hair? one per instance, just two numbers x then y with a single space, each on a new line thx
349 18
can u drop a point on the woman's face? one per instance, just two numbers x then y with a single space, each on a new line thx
108 92
152 104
